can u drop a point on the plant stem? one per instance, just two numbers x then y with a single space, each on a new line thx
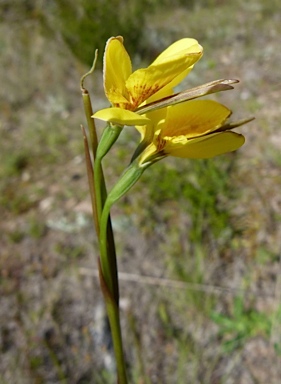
109 285
107 259
109 136
127 180
89 110
107 281
112 309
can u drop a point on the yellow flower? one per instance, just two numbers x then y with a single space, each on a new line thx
127 90
193 129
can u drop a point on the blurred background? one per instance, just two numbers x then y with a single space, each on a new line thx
206 232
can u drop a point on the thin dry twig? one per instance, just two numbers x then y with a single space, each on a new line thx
176 284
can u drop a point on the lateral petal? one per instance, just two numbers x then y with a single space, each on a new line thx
117 69
182 46
145 82
121 116
206 147
194 118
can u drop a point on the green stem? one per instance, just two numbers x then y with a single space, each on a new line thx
99 187
98 193
90 174
109 136
112 310
90 121
114 321
127 180
110 235
98 196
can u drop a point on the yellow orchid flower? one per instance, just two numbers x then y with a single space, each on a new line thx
194 129
128 90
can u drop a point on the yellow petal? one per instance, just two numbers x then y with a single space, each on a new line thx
161 94
180 47
194 118
185 45
171 85
207 146
145 82
149 152
117 69
121 116
147 132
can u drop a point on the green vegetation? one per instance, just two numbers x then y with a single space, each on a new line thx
243 324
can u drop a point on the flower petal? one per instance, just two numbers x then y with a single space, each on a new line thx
182 46
147 132
167 71
207 146
194 118
121 116
150 152
186 45
117 69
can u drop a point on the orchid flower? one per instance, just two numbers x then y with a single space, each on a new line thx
195 129
127 90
